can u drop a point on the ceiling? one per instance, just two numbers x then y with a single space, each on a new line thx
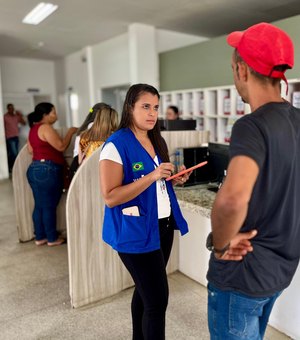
79 23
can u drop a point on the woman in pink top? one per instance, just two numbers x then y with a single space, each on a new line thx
45 173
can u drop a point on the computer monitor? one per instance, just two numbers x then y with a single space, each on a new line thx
177 124
218 159
190 157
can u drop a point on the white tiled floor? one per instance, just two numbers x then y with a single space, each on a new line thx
34 299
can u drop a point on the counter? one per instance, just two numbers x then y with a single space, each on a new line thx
195 203
196 198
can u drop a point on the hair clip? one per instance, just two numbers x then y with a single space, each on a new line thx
91 110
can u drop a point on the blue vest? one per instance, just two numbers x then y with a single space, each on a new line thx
137 234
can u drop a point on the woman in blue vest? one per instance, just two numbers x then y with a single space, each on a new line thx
141 210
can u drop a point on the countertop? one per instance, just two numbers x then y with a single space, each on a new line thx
196 199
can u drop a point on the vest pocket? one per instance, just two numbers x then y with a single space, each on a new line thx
133 229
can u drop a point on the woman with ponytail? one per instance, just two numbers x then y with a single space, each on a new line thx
45 173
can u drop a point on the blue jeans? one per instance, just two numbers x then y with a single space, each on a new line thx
46 181
235 316
12 146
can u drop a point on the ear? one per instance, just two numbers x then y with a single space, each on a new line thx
243 71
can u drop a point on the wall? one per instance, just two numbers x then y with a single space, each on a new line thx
111 59
107 66
76 80
196 66
103 65
18 75
143 56
61 88
286 312
3 154
169 40
111 63
208 63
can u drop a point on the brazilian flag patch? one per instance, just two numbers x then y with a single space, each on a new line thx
137 166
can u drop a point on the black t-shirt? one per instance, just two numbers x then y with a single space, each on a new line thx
270 136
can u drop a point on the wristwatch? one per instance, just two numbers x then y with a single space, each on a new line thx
210 245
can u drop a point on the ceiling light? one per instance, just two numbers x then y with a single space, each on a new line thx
39 13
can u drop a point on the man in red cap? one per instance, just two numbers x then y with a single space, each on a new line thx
255 219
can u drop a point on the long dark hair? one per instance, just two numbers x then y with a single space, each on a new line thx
132 96
90 117
39 112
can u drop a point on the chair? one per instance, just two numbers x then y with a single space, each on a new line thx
95 270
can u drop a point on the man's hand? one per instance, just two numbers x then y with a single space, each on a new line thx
20 118
239 247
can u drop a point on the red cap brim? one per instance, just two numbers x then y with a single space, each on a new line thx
234 38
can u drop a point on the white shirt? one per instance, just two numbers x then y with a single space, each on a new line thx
77 140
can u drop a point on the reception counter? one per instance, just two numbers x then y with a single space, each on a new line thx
196 203
196 199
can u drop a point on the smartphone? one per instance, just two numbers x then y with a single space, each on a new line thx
186 170
131 211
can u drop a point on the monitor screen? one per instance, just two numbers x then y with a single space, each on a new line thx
191 157
177 125
218 159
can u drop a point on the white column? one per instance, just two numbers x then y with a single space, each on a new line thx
91 83
3 154
143 56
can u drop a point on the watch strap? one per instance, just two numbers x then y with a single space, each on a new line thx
210 245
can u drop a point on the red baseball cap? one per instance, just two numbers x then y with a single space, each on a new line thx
262 47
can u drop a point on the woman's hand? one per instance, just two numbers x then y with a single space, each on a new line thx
73 130
111 177
181 179
164 170
29 147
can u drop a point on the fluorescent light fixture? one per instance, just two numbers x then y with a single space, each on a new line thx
39 13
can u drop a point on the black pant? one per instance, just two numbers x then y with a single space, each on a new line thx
150 297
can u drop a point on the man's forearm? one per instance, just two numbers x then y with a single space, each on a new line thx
226 222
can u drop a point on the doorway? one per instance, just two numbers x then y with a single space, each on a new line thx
115 96
24 103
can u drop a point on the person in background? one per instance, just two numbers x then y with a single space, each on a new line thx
88 122
141 210
12 119
172 112
256 210
104 124
45 173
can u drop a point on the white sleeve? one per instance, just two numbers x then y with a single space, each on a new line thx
110 152
76 146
